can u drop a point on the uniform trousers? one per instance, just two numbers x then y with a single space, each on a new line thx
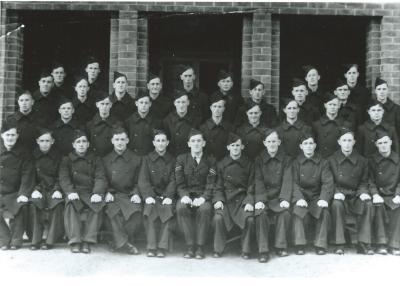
386 224
124 230
194 222
362 222
12 234
281 220
51 219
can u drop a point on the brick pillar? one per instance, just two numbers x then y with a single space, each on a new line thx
142 52
247 57
275 74
373 60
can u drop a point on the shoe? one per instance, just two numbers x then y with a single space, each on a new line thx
320 251
34 247
151 253
132 250
46 246
300 251
15 247
382 250
75 248
395 251
263 258
217 255
199 253
339 251
245 255
189 253
5 247
160 253
282 253
85 248
363 248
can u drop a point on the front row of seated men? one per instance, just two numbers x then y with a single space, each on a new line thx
302 201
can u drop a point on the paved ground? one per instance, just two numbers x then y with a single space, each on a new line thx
60 263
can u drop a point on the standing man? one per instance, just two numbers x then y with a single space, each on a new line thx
93 70
308 111
123 105
347 111
315 93
60 88
161 106
83 101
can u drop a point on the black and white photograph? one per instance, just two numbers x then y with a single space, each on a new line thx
199 142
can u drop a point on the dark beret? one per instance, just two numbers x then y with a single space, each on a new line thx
232 138
101 95
379 134
179 93
78 134
152 76
298 82
63 100
379 81
254 83
328 96
249 104
118 75
194 132
91 60
215 97
9 124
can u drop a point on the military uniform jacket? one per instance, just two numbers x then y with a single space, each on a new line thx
122 172
350 175
233 101
84 176
84 111
268 116
199 104
47 167
252 138
315 98
235 188
216 137
100 134
16 178
63 90
27 127
46 107
327 132
178 129
273 180
392 115
195 180
63 134
365 137
122 109
140 131
308 113
290 136
351 113
361 96
161 106
157 180
384 177
312 181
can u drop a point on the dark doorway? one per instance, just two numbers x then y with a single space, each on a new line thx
324 41
207 42
65 36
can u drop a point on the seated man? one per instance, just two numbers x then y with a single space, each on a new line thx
233 199
82 180
47 202
17 181
352 198
158 189
273 191
195 179
124 208
312 191
384 177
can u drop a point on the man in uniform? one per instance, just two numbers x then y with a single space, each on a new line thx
93 70
60 88
308 111
83 101
352 200
347 111
123 105
161 105
195 180
83 182
273 191
313 188
16 181
384 178
158 189
124 208
315 93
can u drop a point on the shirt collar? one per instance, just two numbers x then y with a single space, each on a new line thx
266 157
315 159
125 155
297 125
73 123
154 156
394 157
341 157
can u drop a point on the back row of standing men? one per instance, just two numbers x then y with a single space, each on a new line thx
307 110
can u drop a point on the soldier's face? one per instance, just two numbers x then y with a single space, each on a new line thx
181 104
384 145
188 77
93 70
160 142
254 114
45 84
25 103
312 77
299 93
143 104
154 86
196 143
381 92
66 110
225 84
235 149
332 107
342 92
272 142
257 93
120 142
376 113
346 142
81 145
217 108
10 137
120 85
45 142
352 75
58 75
291 110
308 146
82 88
104 107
